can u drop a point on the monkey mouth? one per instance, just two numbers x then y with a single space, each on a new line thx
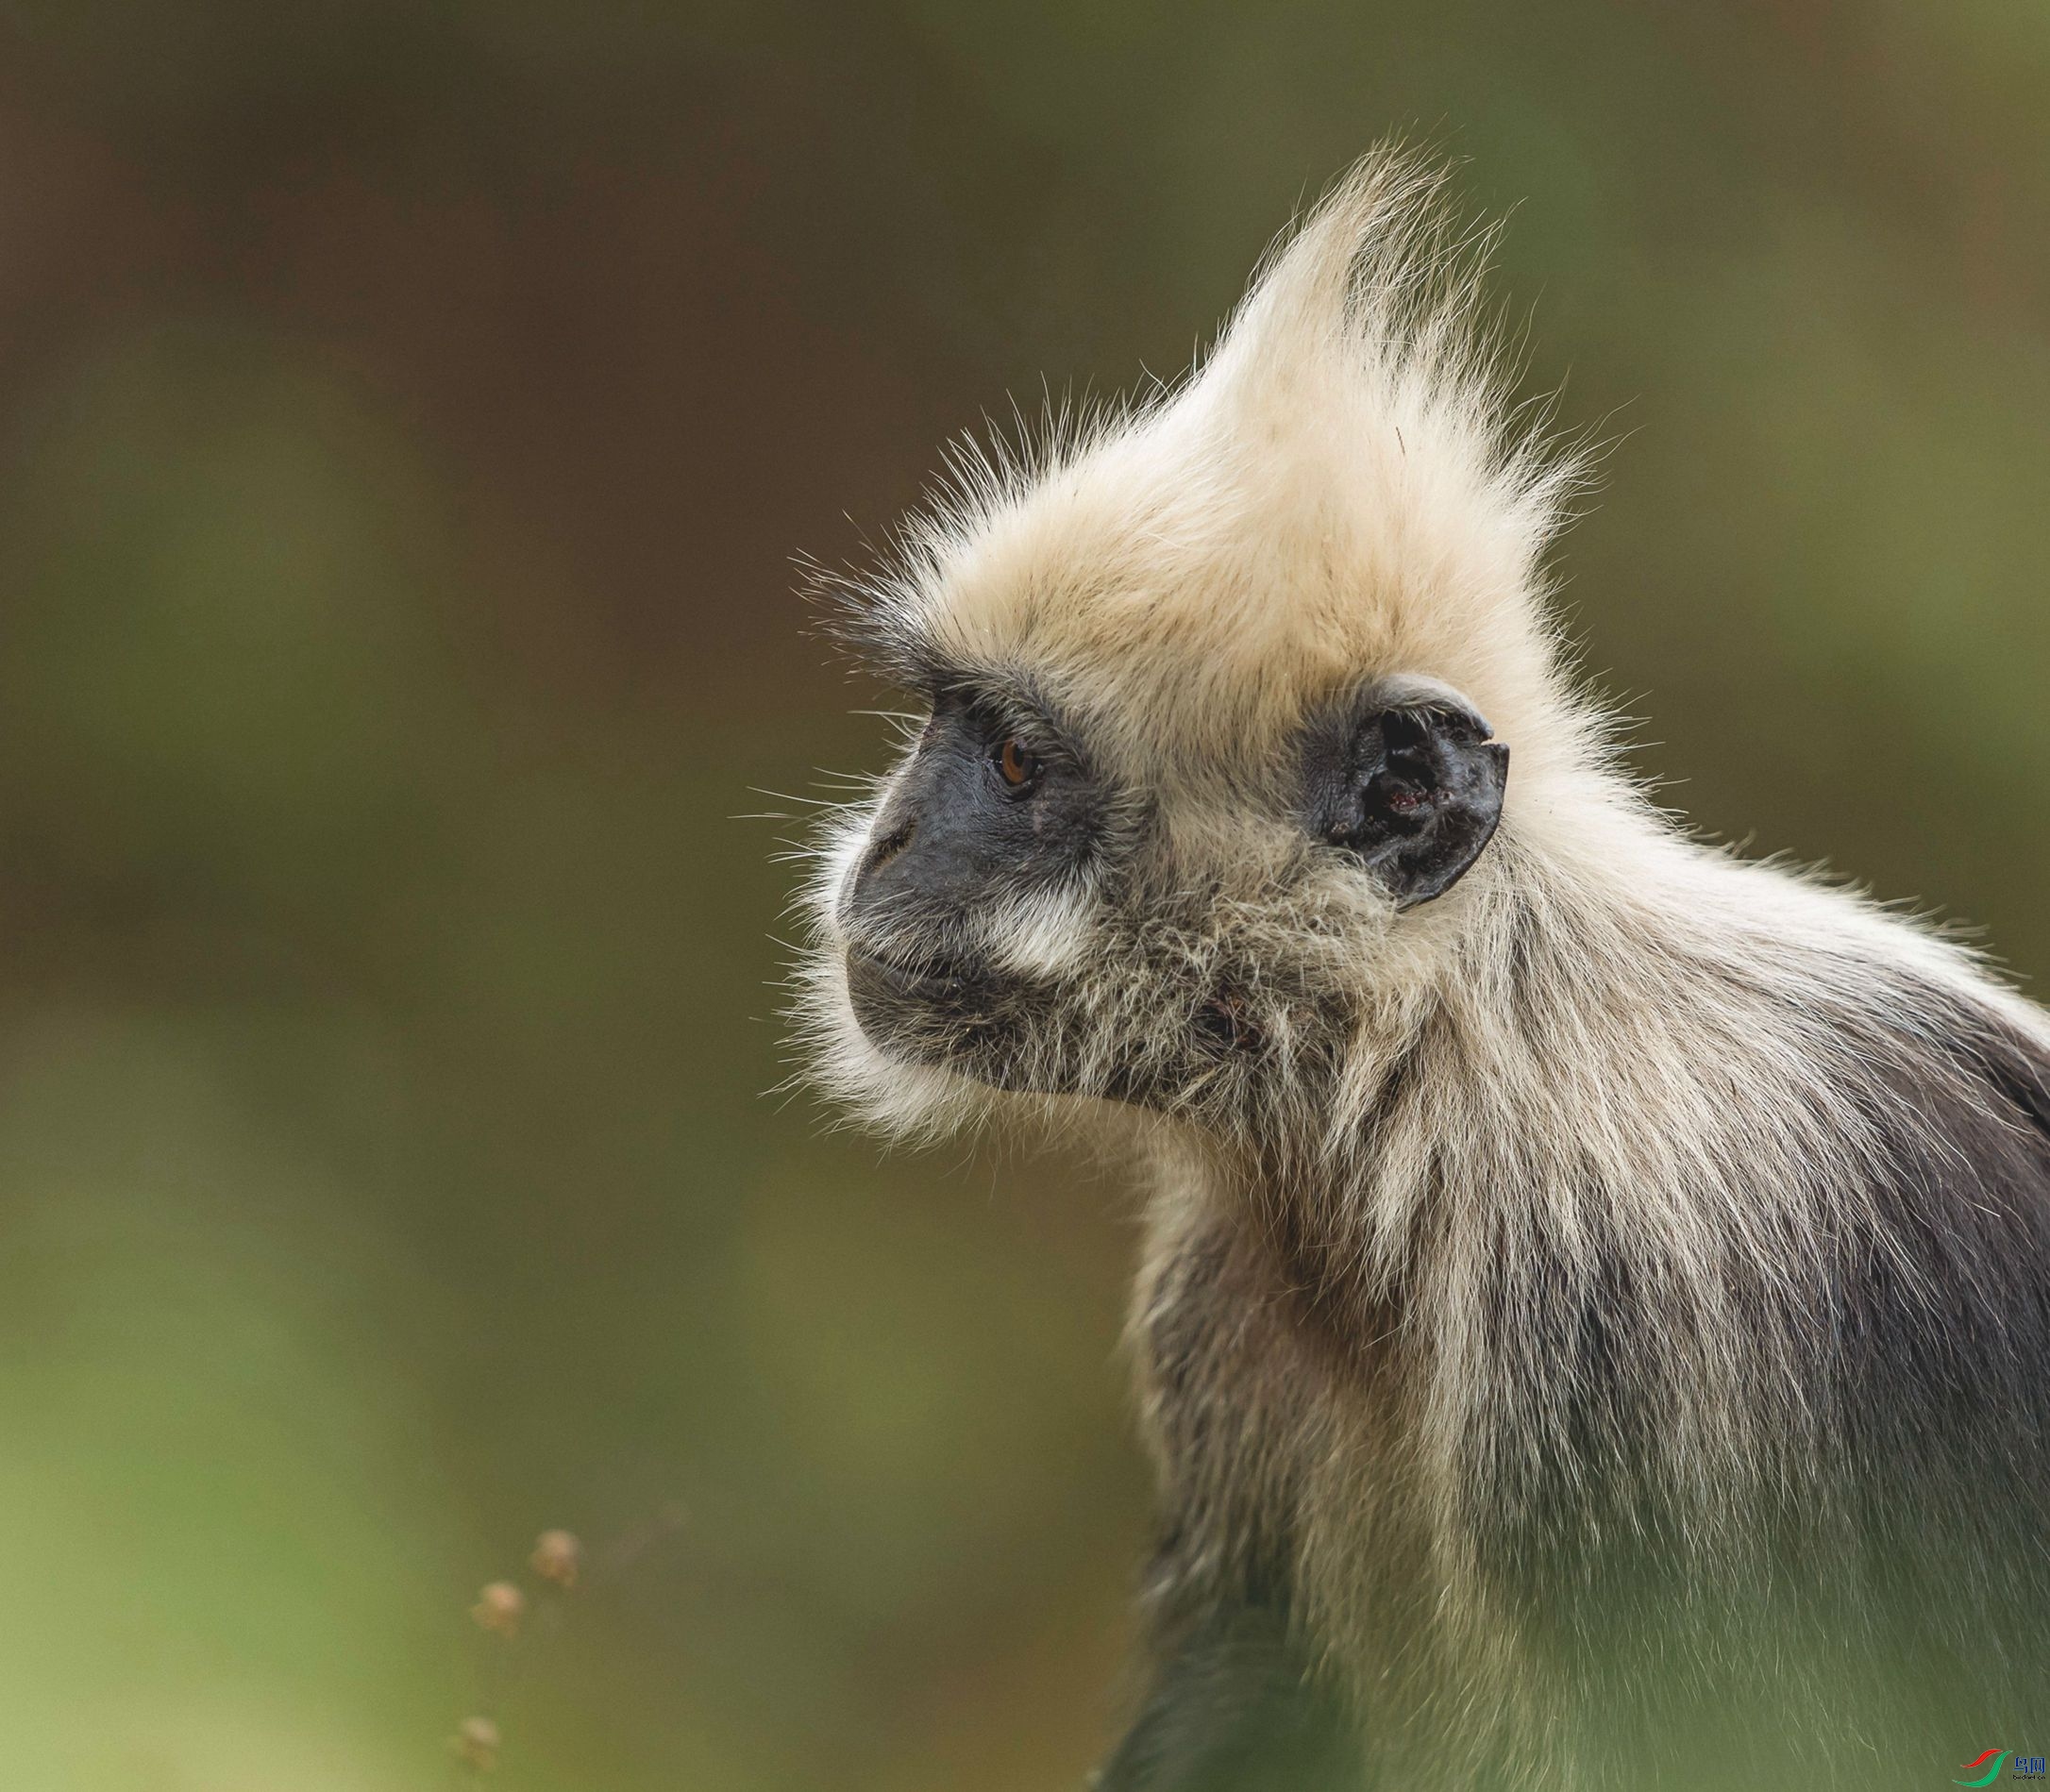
938 1009
932 981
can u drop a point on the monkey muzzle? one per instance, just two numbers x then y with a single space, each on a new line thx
1016 1033
940 1010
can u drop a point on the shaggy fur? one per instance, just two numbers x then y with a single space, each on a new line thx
1594 1327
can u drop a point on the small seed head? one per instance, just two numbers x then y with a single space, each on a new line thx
558 1556
500 1608
476 1744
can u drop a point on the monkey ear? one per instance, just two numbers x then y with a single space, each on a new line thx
1408 777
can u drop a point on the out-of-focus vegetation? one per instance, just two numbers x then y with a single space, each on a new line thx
406 417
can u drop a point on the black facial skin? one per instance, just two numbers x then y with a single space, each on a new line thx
995 801
1407 777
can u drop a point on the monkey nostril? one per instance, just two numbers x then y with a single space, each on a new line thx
889 846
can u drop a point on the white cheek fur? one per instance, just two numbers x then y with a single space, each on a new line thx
1045 935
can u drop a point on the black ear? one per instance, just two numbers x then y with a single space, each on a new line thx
1408 776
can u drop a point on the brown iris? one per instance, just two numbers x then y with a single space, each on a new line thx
1016 764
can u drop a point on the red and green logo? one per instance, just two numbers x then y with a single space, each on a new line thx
2026 1766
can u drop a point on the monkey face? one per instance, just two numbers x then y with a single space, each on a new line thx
1206 771
976 893
1019 911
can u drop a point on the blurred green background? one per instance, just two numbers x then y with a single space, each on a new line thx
407 416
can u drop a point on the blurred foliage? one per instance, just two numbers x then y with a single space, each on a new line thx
407 414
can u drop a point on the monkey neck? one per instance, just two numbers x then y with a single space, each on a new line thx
1584 1099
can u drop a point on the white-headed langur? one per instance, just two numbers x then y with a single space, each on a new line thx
1593 1325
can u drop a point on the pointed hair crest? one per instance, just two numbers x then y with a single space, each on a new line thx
1340 490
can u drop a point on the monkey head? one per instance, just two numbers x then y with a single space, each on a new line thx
1209 760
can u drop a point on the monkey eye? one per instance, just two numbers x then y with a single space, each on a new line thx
1017 764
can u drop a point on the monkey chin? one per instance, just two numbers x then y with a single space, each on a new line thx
947 1014
1001 1031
